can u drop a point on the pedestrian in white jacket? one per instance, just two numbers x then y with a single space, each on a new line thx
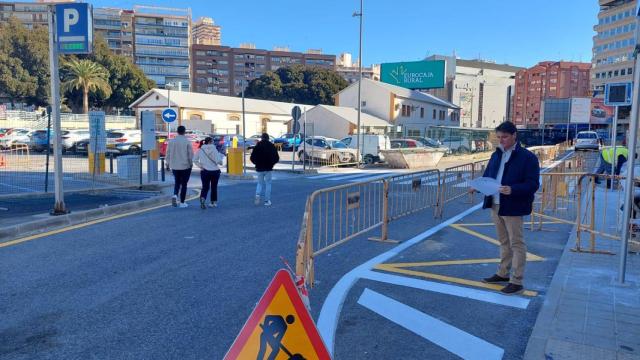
180 160
208 159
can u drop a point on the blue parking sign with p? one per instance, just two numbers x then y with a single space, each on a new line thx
74 28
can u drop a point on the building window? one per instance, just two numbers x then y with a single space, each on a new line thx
615 73
413 132
629 71
623 72
434 114
422 112
406 111
442 114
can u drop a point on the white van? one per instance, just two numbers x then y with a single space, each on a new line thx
372 144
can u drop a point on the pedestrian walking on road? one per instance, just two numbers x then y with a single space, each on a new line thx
208 159
518 171
264 156
180 161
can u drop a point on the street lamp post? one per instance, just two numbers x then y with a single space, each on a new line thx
359 14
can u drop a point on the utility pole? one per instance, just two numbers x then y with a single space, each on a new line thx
59 207
359 14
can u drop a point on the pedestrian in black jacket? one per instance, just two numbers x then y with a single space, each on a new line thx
518 171
264 156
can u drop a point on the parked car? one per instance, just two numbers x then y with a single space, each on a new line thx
162 139
458 144
324 149
253 140
586 140
371 146
287 140
224 141
124 142
14 137
71 137
38 140
406 144
428 142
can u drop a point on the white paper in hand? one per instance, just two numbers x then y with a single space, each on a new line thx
486 185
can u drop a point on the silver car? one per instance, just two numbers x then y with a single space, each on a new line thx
326 150
587 140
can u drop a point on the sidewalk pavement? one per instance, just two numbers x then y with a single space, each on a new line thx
587 314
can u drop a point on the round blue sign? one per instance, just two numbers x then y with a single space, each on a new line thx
169 115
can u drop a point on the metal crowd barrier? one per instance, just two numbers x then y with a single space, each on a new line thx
338 214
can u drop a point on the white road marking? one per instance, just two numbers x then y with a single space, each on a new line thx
349 176
455 290
330 312
373 177
323 176
438 332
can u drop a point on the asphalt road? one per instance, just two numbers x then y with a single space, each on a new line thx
180 283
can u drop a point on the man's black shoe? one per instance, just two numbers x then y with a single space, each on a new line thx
495 279
512 289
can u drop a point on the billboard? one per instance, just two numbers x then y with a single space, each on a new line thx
580 110
414 74
600 113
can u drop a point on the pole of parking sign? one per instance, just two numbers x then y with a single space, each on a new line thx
628 181
614 131
46 173
59 207
304 143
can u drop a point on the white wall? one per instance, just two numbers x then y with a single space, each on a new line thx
325 123
466 93
376 100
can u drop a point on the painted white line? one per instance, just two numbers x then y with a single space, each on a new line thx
19 187
464 292
330 312
348 176
374 177
324 176
438 332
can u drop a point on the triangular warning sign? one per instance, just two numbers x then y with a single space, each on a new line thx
279 328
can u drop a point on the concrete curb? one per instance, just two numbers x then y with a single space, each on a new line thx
537 344
34 227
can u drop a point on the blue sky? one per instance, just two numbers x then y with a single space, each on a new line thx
518 32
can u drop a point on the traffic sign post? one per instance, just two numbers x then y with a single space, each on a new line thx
616 94
296 113
169 115
70 32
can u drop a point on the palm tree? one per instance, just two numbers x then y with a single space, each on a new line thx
88 76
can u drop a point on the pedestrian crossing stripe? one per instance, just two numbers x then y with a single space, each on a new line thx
279 327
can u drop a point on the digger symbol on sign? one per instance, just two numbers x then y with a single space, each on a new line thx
273 330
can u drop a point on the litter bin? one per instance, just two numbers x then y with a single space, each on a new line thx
234 161
129 167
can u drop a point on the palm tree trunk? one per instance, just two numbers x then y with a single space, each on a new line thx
85 100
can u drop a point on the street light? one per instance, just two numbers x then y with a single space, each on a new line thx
169 86
359 14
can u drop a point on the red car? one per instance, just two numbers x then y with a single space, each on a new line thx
162 137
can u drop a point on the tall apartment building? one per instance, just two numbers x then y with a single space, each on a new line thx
547 80
482 89
350 71
162 39
29 13
614 43
225 70
116 27
206 32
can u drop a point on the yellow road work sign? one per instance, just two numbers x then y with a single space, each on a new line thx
279 328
